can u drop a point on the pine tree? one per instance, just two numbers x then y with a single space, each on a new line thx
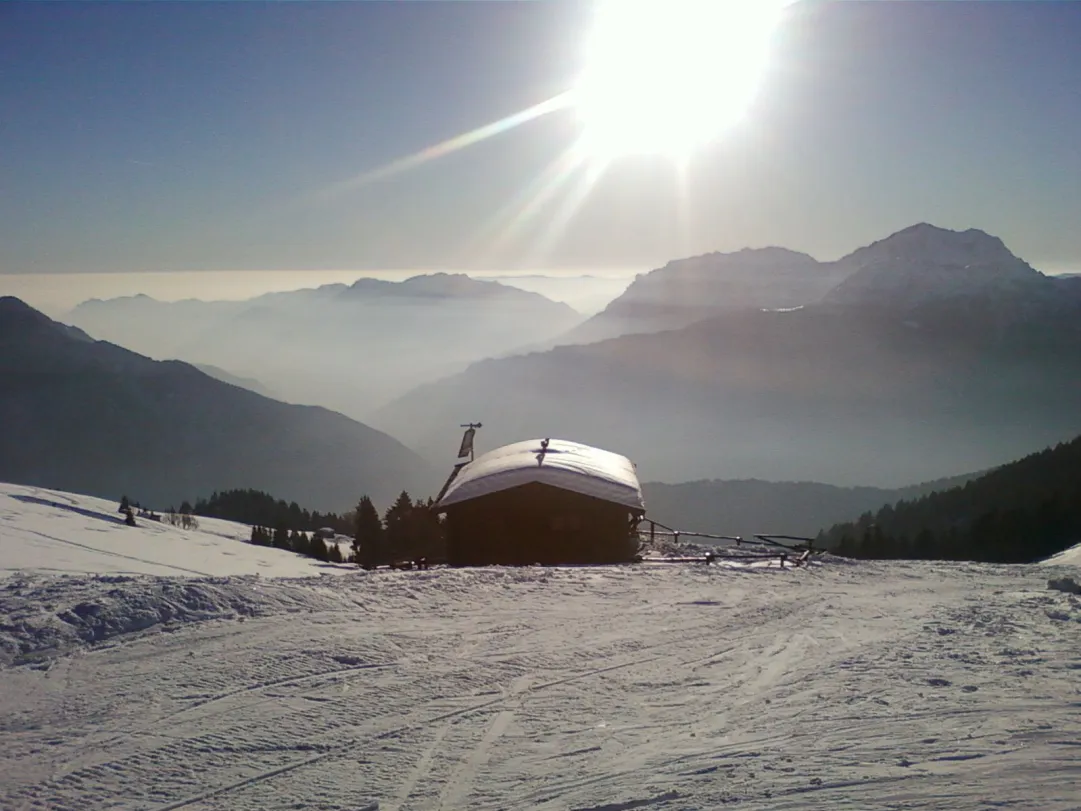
398 521
367 534
317 548
425 537
923 548
125 505
281 538
299 543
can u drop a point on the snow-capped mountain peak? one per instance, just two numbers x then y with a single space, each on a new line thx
924 261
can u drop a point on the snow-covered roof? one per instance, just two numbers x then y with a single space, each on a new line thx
567 465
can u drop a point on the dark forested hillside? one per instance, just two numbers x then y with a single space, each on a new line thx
747 506
1021 512
90 417
259 508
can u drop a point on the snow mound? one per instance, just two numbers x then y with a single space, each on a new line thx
1065 584
1067 557
42 617
53 531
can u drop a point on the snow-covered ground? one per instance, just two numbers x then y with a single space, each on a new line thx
863 686
1069 557
50 530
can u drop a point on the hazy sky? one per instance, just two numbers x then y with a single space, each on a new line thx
191 136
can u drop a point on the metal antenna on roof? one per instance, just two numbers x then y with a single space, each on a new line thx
466 448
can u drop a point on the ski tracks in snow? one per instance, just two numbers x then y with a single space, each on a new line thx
879 685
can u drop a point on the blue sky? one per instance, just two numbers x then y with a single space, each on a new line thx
192 136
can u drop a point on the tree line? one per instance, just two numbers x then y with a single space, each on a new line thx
1019 513
408 531
303 543
262 509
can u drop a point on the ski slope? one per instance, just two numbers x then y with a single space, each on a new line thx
51 530
1068 557
864 686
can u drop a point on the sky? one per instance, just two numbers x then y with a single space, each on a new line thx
175 137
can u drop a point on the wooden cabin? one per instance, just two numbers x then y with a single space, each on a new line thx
546 501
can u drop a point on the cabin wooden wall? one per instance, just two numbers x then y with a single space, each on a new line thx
536 523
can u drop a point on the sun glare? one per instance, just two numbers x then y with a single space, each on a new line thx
665 76
659 77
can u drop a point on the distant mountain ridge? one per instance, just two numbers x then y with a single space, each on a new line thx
747 506
688 290
447 286
347 347
928 243
88 416
879 387
919 263
243 382
924 262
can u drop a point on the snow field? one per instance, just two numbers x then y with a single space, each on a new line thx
870 686
1068 557
50 530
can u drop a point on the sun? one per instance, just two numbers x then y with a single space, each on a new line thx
665 76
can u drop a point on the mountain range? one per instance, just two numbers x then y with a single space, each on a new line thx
935 353
745 507
347 347
91 417
688 290
917 263
925 354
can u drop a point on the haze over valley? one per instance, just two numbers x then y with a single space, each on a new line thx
95 418
348 347
925 354
572 406
937 353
